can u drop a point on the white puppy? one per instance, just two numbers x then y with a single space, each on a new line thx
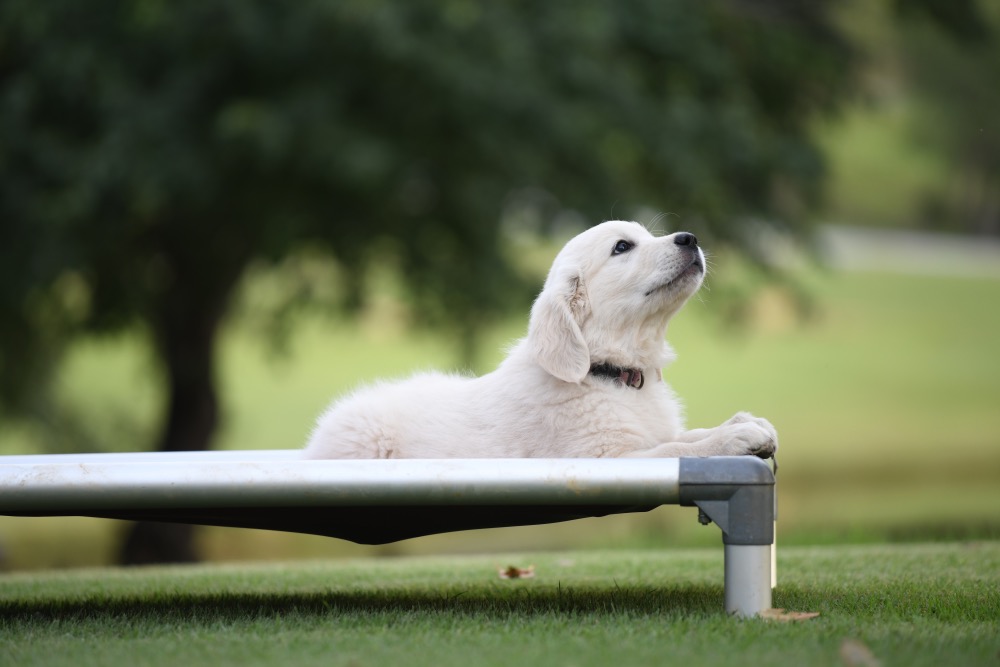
585 382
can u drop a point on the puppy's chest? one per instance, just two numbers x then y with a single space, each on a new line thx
622 417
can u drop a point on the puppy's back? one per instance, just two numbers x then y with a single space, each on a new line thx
422 416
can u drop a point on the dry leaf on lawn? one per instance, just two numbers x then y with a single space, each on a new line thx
787 616
514 572
856 654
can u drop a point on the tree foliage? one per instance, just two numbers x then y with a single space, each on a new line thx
952 55
151 151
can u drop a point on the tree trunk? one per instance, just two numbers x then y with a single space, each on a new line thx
185 344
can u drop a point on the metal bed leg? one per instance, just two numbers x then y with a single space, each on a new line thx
748 578
738 494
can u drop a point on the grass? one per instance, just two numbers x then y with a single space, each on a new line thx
914 605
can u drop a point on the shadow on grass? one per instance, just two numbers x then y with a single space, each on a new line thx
243 607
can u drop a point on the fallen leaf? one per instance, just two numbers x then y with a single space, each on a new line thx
787 616
856 654
514 572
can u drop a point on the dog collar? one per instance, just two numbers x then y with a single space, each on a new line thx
630 377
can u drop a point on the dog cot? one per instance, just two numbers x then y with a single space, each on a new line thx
381 501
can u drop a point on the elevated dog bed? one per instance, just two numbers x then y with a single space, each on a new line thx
379 501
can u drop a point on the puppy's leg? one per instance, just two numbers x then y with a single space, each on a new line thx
743 434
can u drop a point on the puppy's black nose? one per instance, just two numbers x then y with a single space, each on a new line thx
685 238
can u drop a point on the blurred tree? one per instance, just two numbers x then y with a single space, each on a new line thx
952 55
151 150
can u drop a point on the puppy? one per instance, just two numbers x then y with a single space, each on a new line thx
584 382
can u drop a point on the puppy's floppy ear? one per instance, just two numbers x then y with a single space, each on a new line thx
554 334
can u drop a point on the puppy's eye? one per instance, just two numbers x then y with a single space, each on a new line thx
622 247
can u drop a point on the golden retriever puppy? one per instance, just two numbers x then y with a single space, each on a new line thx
584 382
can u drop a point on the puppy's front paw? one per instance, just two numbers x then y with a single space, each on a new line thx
752 435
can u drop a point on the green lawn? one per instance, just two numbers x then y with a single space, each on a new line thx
908 605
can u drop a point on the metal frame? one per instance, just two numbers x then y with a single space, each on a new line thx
378 501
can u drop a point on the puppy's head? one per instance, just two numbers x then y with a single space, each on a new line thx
609 296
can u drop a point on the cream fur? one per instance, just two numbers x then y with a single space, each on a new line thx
596 307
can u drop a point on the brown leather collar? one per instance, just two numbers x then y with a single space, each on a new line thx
629 377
